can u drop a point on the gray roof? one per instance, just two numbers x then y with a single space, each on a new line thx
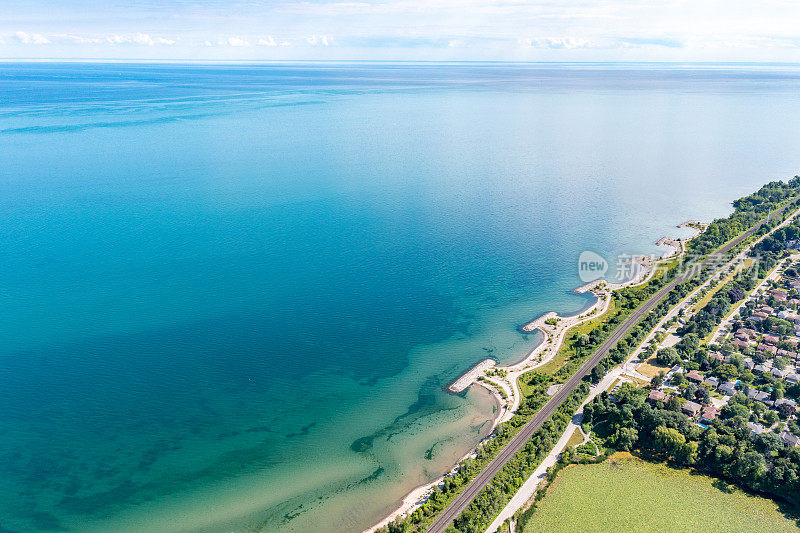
789 439
756 428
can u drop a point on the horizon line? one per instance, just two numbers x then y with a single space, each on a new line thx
407 61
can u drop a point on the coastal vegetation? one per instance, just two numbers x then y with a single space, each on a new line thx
748 211
724 448
629 494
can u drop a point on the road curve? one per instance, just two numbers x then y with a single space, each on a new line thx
463 500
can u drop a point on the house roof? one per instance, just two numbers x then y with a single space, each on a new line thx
691 407
771 339
694 375
762 396
789 439
656 395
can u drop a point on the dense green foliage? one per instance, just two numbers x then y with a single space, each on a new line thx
726 448
748 211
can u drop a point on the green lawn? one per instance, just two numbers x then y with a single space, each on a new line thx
627 494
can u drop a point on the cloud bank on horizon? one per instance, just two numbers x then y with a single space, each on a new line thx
416 30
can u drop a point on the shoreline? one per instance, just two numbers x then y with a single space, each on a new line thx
419 495
553 339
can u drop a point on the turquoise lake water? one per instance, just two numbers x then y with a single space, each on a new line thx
232 294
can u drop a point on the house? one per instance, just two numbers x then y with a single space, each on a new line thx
709 414
792 378
657 396
778 373
715 356
766 309
694 375
770 339
742 336
789 439
760 368
749 332
751 393
756 429
758 316
778 295
766 348
787 401
739 344
691 408
761 396
728 388
713 381
748 363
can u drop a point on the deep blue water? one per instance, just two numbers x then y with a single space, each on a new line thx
231 294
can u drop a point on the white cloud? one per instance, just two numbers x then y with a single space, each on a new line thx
316 40
269 41
237 41
568 43
31 38
77 39
138 38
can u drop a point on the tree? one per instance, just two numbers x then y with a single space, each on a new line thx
667 439
686 453
673 405
690 391
657 380
727 372
625 438
768 442
667 356
689 344
771 417
750 467
735 409
786 410
702 395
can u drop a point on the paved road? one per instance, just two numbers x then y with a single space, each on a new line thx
463 500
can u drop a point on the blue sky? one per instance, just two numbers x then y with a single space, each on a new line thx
432 30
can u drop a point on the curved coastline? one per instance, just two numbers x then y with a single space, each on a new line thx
551 341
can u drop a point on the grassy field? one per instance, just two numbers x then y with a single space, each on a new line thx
627 494
576 438
710 294
651 368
